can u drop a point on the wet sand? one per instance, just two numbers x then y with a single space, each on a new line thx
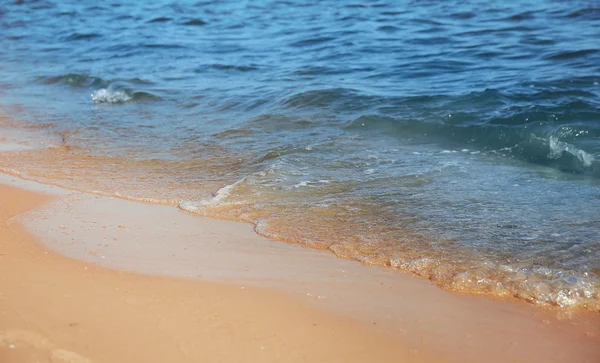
53 309
215 291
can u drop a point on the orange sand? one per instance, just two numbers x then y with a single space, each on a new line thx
53 309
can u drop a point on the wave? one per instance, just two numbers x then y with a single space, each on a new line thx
161 19
551 126
311 42
524 16
86 80
73 80
327 98
228 67
560 148
572 54
590 13
506 140
105 95
195 22
82 36
104 90
558 93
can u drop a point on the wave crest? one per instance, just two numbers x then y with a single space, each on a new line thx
559 148
104 95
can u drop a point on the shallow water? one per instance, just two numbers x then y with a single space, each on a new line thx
456 140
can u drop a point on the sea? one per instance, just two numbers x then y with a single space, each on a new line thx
455 140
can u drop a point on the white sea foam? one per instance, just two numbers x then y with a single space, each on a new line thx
219 196
301 184
541 285
10 171
557 148
104 95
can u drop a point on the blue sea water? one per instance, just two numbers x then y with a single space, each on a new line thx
458 140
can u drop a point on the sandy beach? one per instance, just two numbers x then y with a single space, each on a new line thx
299 181
53 309
214 290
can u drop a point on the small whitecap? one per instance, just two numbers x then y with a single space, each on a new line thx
557 148
104 95
301 184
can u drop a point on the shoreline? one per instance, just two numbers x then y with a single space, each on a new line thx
56 309
163 241
471 273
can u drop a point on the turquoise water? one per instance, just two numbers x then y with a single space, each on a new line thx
456 140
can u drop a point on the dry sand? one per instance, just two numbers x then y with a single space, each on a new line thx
244 298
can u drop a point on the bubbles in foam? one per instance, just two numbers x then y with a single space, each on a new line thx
538 284
104 95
